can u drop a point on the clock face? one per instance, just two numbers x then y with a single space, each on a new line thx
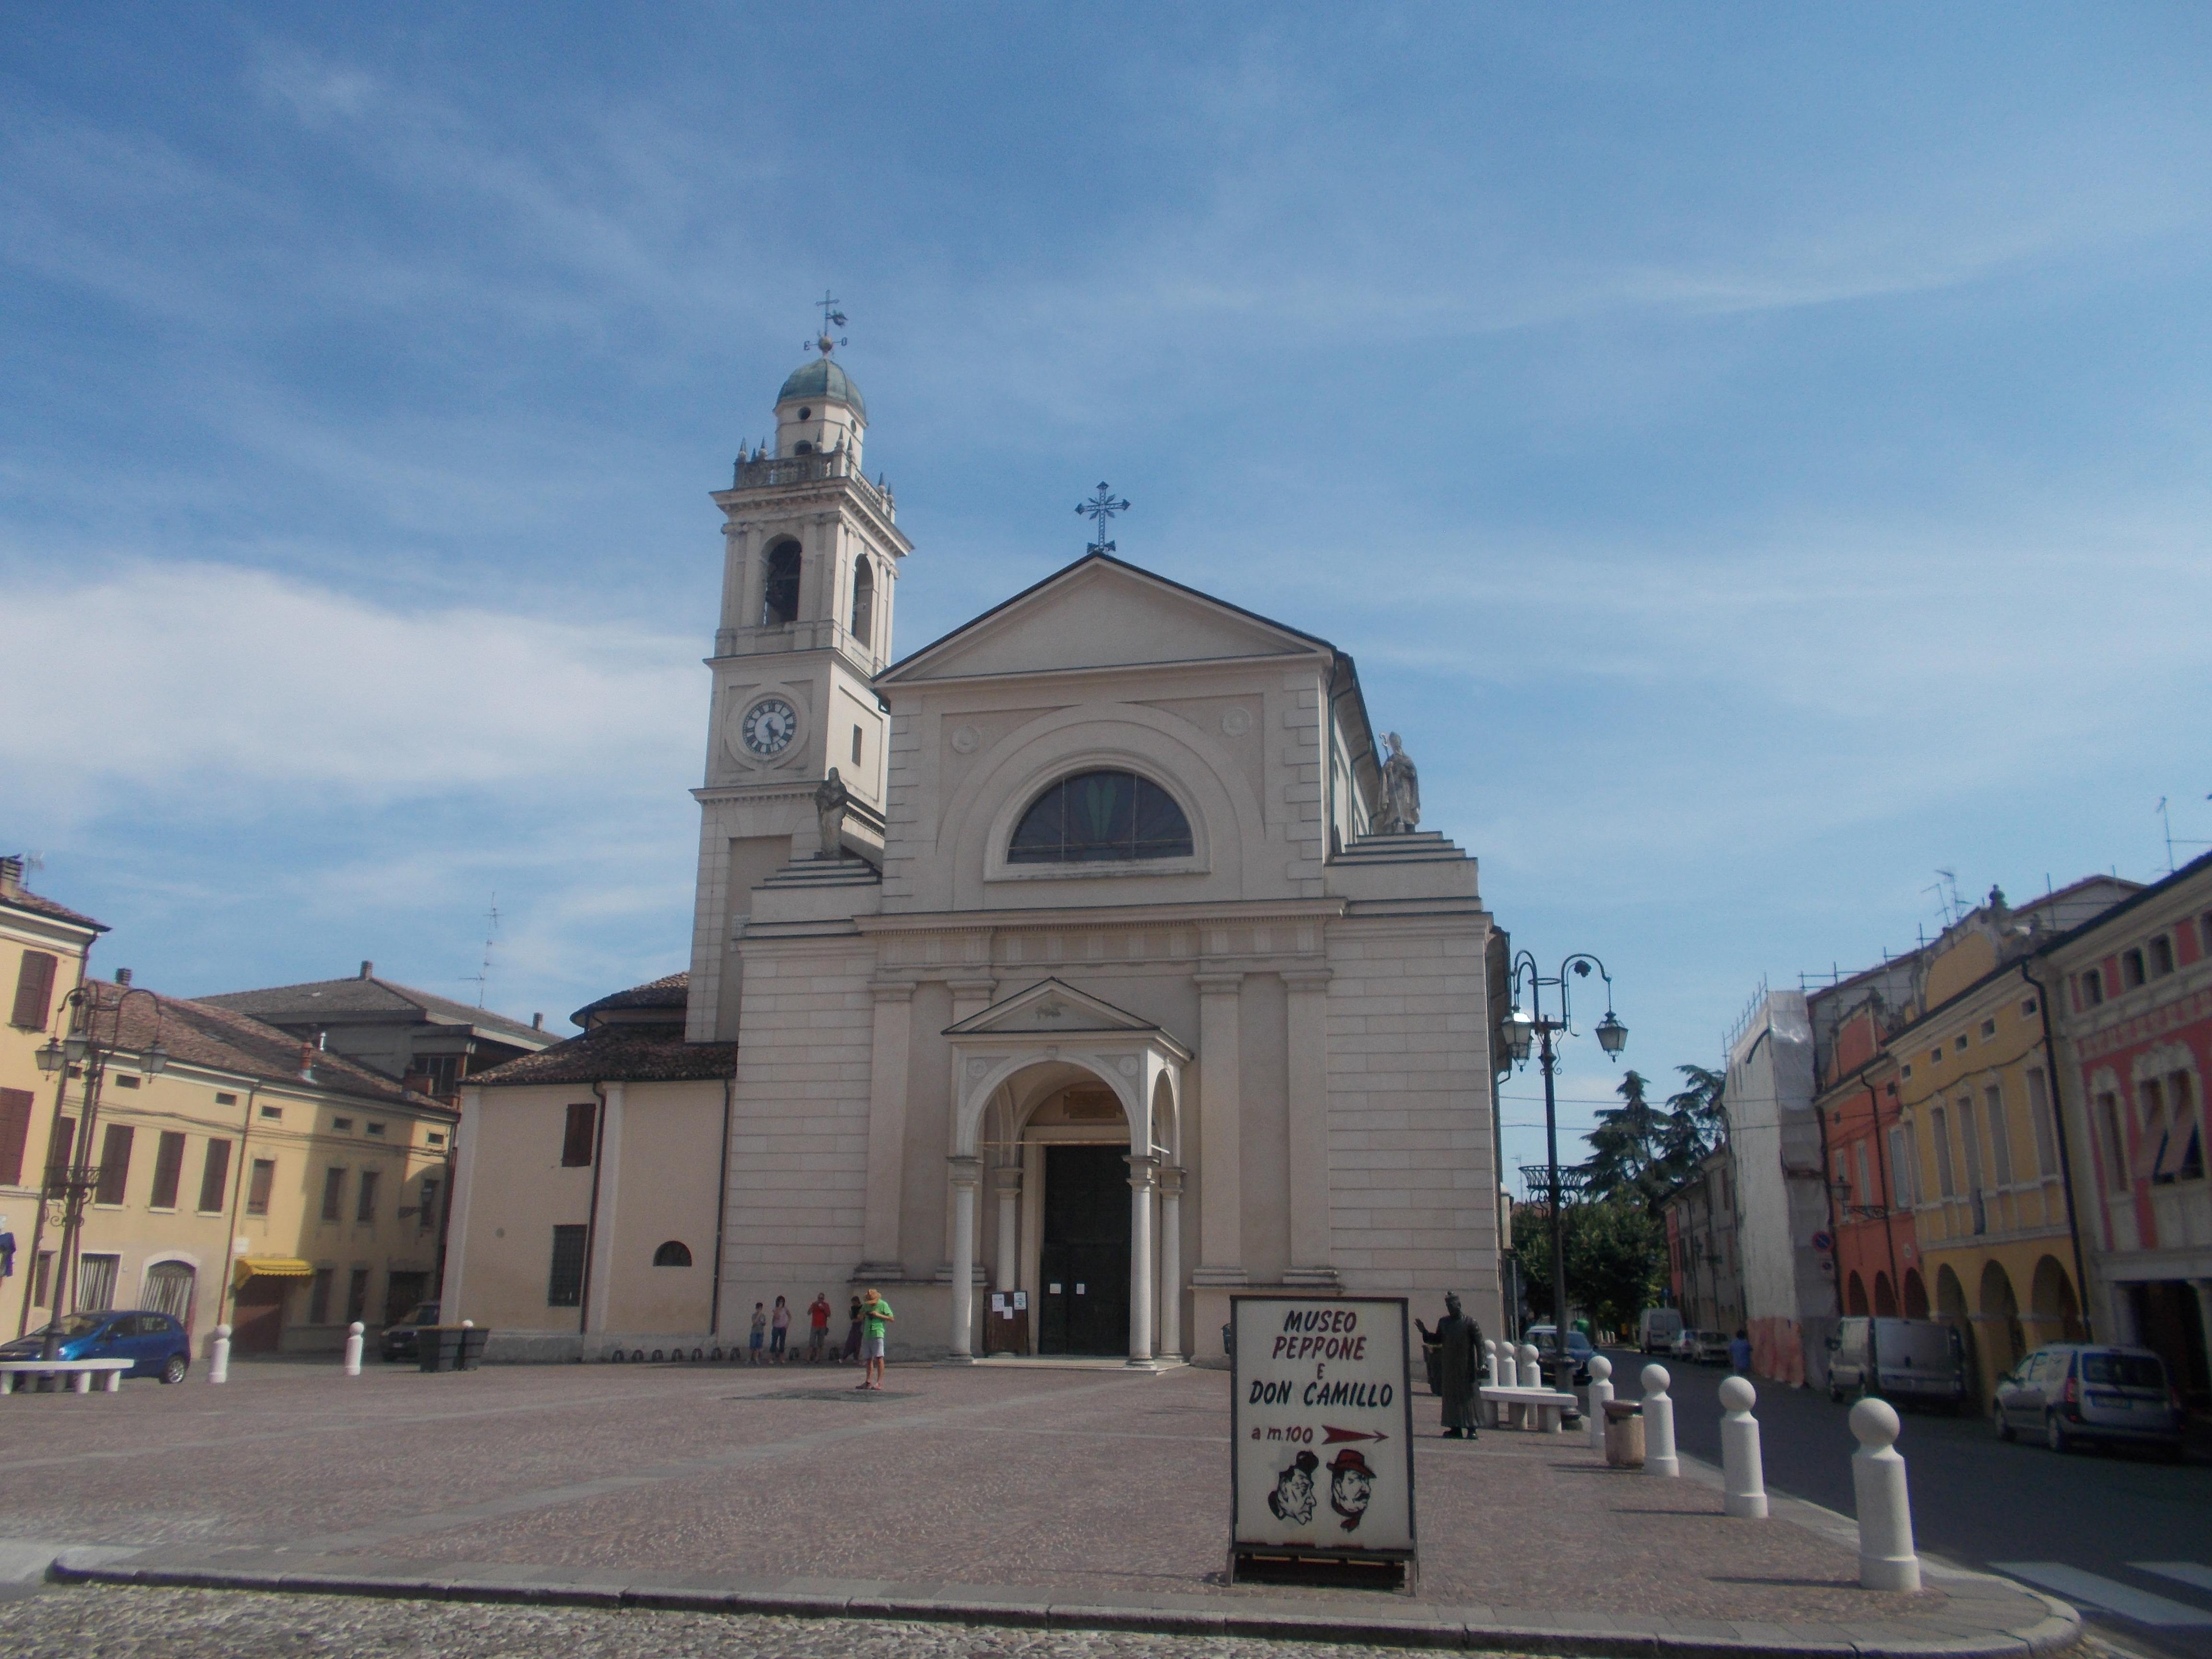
769 726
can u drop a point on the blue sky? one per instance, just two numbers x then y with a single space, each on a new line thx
1757 455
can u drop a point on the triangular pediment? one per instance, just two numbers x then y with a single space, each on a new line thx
1099 613
1048 1007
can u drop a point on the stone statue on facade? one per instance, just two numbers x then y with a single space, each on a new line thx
1401 790
832 799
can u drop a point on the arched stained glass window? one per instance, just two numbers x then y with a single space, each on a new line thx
1098 817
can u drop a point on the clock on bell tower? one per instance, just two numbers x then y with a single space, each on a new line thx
811 551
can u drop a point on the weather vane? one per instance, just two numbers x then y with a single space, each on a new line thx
1100 510
831 317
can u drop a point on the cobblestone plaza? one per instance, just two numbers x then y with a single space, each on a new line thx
994 1494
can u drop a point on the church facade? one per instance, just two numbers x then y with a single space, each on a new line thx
1061 979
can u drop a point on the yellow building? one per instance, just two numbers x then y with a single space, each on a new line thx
44 948
227 1173
1996 1244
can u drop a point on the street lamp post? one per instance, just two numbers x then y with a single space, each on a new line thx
69 1189
1528 1027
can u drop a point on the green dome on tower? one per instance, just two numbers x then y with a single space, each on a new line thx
826 379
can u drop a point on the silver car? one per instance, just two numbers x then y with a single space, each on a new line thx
2072 1393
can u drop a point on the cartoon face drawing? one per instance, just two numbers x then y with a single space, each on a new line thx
1292 1499
1350 1484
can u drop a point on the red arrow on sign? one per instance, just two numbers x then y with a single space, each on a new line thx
1336 1435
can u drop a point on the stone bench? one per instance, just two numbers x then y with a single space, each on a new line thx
1540 1410
79 1372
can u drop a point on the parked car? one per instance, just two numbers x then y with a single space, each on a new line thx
1656 1329
399 1340
1711 1348
2072 1393
157 1345
1899 1360
1545 1339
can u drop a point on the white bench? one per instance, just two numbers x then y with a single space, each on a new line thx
79 1372
1536 1409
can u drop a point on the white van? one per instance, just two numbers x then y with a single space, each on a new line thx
1899 1360
1656 1329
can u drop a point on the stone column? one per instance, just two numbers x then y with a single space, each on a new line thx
737 540
755 586
1170 1264
970 997
1311 1257
1141 1171
967 1175
881 1256
1220 1131
1006 1183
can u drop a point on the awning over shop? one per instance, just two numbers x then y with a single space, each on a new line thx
271 1267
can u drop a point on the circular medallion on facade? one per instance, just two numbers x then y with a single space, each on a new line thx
768 727
977 1067
1127 1065
966 741
1236 721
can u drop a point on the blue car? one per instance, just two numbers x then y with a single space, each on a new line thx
155 1343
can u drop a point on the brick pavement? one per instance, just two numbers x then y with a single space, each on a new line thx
966 1488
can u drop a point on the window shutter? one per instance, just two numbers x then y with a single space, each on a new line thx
15 1134
115 1162
577 1139
214 1175
35 991
58 1150
168 1167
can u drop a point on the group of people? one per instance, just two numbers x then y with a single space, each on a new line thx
865 1335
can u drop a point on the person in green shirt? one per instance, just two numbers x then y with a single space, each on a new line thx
875 1314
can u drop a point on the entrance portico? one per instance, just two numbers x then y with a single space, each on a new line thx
1009 1059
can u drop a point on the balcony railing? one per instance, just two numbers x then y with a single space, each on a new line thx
781 471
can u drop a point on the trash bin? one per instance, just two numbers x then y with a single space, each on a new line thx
1624 1433
450 1347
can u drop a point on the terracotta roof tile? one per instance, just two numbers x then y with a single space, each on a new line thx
617 1053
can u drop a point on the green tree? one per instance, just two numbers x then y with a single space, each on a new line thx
1615 1251
1695 1122
1624 1147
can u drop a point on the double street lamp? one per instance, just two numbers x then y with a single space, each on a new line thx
69 1188
1527 1027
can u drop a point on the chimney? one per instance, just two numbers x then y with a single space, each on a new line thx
122 976
538 1022
367 968
11 875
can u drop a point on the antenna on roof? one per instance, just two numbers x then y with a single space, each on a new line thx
483 974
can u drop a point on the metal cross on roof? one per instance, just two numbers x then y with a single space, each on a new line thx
831 317
1100 510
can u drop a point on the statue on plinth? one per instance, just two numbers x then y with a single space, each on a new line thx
1401 791
832 799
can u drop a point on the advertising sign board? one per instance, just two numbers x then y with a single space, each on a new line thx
1321 1449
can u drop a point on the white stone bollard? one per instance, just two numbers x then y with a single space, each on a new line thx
1601 1391
354 1333
219 1356
1659 1424
1532 1374
1490 1411
1887 1561
1743 1478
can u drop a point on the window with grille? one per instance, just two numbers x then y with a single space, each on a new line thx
95 1281
333 1193
564 1286
169 1291
366 1209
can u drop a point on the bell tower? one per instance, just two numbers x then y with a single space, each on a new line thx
811 551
